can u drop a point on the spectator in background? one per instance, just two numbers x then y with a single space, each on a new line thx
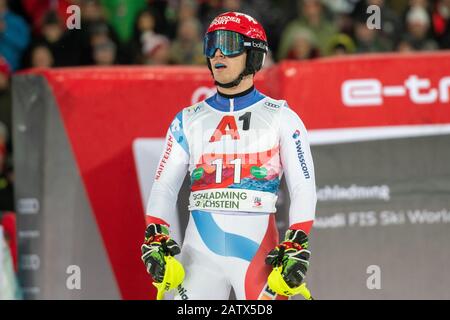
6 191
165 13
100 36
52 30
5 117
391 25
341 45
369 40
5 95
155 49
63 44
41 57
6 177
304 45
176 13
415 3
36 11
95 29
275 15
121 14
92 11
311 18
441 23
240 6
205 8
145 35
105 53
389 20
342 11
187 48
418 29
405 44
188 9
14 36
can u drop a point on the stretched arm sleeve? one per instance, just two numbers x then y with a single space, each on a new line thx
298 169
170 173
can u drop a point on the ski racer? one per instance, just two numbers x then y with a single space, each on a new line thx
236 146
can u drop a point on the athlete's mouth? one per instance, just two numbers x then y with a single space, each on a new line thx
219 66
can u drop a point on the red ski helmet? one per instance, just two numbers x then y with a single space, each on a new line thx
240 23
233 33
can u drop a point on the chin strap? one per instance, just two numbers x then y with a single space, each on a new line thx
231 84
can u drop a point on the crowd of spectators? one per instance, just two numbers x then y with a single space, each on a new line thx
34 33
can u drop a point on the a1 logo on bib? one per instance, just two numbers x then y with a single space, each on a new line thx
226 127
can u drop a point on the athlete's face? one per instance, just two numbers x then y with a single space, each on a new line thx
226 69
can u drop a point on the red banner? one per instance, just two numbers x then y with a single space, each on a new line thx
373 90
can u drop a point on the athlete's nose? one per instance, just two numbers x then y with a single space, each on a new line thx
218 53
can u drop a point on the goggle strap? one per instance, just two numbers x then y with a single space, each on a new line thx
260 45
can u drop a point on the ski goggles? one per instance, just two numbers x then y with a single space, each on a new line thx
230 43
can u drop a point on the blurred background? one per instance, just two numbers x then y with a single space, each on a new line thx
170 32
49 81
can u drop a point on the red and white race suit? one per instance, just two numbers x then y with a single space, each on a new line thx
236 150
